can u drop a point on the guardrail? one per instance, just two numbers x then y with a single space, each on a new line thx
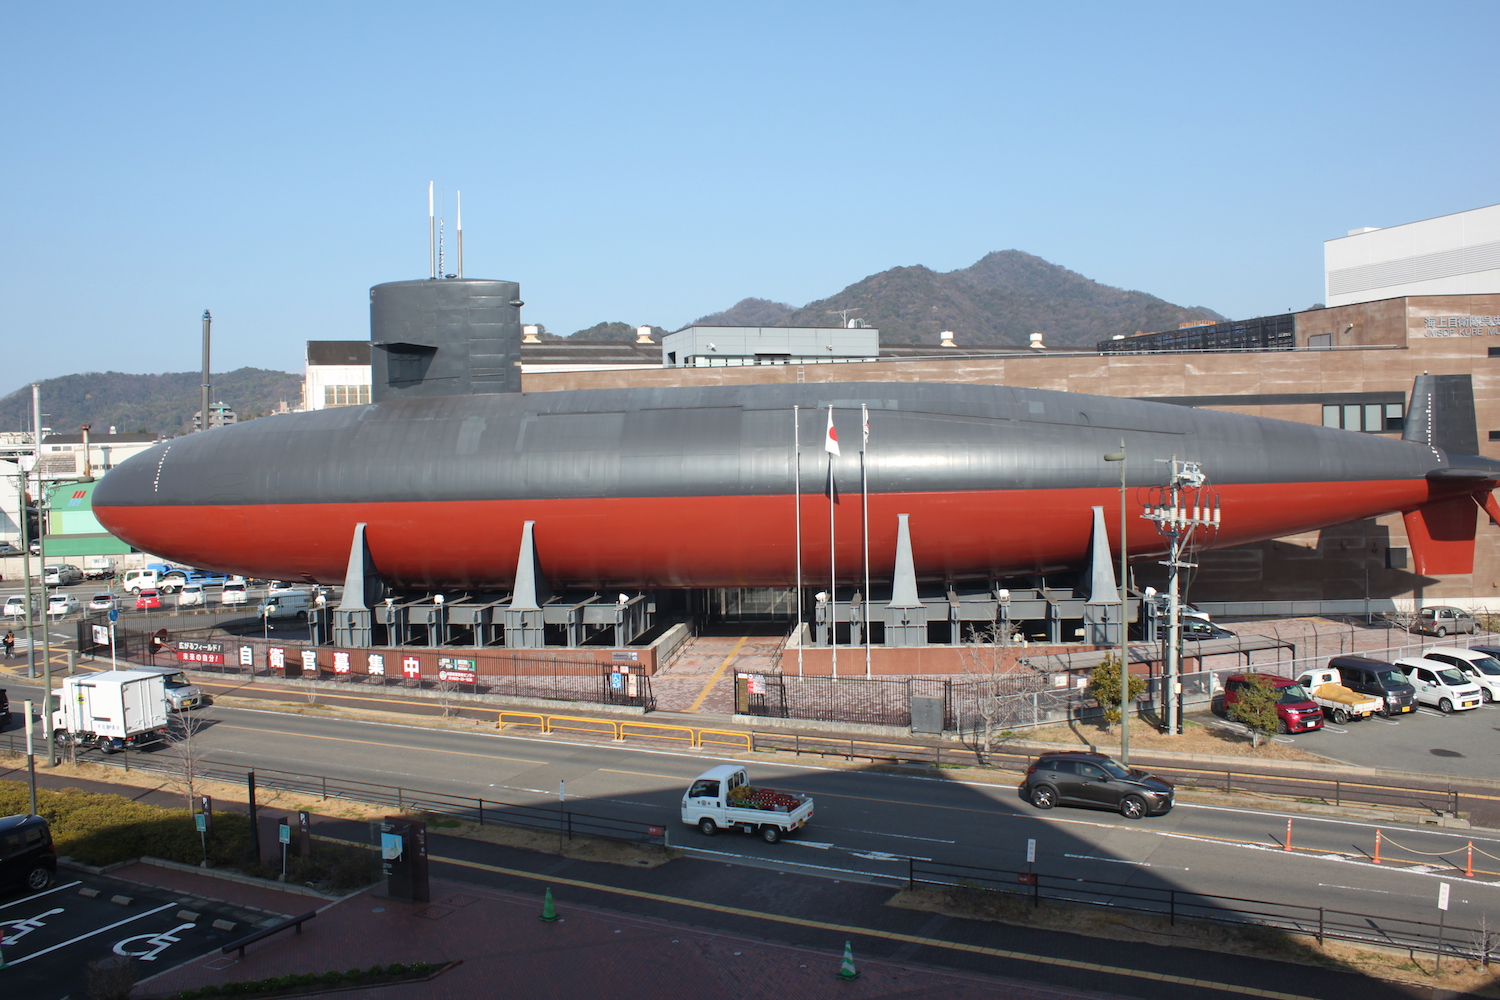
1321 923
550 819
266 932
618 730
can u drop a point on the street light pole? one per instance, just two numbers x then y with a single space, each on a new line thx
1119 456
23 468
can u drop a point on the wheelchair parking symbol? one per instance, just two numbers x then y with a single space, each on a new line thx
21 928
147 946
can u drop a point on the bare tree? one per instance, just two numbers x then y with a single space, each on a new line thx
991 678
445 689
190 755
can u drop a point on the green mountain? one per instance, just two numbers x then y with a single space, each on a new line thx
155 404
1002 299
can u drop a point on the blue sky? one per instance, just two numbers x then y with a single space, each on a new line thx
654 162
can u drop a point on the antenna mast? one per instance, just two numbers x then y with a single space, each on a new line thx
431 233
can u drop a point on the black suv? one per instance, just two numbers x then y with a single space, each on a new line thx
1079 778
1378 679
27 857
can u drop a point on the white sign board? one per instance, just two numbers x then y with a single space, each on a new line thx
1443 888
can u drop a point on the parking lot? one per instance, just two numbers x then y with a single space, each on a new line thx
1462 744
50 937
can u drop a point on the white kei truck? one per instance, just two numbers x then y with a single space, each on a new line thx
113 710
722 798
1338 702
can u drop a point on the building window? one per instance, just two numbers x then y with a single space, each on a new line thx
346 395
1495 352
1369 418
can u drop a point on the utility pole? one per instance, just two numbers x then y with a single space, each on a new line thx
1180 509
207 323
1119 456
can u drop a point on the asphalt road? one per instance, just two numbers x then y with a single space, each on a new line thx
868 822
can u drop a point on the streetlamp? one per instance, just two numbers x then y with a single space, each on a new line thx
1119 456
24 465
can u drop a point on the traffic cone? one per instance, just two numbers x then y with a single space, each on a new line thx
549 912
846 968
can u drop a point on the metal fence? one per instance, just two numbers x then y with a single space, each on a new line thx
579 678
1321 923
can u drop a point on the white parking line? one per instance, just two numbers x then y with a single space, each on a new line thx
45 892
81 937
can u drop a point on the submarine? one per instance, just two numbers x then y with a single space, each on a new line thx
676 487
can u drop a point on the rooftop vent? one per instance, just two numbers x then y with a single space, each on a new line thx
947 336
1036 342
643 335
529 334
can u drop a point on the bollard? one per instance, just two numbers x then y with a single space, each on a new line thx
1469 864
1377 847
1287 846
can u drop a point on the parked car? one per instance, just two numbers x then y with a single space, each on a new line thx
1080 778
1196 629
182 694
63 575
234 591
27 857
1439 685
9 549
1481 668
15 606
4 709
103 602
1379 680
1296 712
1443 620
63 604
192 595
146 599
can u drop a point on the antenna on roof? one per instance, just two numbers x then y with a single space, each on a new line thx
431 233
458 204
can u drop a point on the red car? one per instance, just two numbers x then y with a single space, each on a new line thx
147 599
1295 709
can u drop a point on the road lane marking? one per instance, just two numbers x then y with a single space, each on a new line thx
384 746
878 833
712 681
871 932
1123 861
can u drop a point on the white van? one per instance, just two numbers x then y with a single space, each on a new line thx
234 591
1480 668
1439 685
288 604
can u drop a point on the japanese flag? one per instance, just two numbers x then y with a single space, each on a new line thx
831 442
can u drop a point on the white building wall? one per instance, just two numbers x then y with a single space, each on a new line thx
1455 254
319 378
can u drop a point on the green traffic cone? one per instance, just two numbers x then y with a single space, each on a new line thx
549 912
846 969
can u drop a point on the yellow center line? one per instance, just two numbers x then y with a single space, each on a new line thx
703 695
897 936
373 743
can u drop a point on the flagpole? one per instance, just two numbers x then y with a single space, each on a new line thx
833 579
797 493
864 491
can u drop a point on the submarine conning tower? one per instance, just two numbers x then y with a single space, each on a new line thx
444 337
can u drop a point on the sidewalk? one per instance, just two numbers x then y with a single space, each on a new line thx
506 951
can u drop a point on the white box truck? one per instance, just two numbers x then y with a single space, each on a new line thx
722 798
112 710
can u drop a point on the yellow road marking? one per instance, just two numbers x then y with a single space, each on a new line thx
897 936
703 695
373 743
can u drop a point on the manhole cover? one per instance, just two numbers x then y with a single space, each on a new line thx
1445 753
